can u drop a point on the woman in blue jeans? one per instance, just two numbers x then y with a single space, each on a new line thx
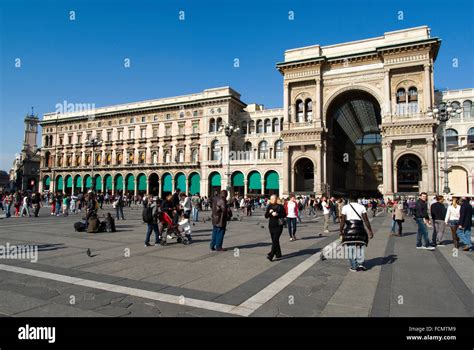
291 211
452 219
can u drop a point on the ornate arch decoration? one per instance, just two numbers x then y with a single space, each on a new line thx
368 89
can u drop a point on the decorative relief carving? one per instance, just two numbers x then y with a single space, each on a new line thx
410 58
354 78
301 74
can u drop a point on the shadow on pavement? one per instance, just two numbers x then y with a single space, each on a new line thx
381 260
300 253
47 247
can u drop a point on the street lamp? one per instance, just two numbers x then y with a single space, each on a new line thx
229 130
93 142
443 112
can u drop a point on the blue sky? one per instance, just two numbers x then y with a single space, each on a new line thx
82 61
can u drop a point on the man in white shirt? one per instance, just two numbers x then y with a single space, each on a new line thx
355 237
325 206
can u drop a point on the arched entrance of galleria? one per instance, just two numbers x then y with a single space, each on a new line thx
353 141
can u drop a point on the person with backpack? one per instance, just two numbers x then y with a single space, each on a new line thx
150 217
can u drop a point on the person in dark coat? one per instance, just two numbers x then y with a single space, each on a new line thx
465 224
275 212
93 223
221 213
110 223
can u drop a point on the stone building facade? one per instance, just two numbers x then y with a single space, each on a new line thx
354 118
460 141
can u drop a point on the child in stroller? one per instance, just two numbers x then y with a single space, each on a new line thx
170 230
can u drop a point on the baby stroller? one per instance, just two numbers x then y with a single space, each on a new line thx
170 230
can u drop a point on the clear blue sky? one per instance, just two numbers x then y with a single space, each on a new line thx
81 61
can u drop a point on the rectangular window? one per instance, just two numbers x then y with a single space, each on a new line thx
168 130
60 140
109 135
143 119
131 134
181 129
69 140
195 128
155 132
120 135
143 133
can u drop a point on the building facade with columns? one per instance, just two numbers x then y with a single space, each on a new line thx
354 118
460 141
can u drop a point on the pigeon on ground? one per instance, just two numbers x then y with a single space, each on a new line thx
89 253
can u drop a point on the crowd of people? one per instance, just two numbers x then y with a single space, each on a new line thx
176 211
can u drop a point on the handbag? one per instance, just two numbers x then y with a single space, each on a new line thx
282 221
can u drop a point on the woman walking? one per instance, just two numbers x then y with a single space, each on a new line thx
276 214
452 219
399 217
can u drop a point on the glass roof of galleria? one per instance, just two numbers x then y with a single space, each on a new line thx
359 120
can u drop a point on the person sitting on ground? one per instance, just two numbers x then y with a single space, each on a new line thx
110 223
93 223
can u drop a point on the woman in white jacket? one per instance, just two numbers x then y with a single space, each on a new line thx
452 219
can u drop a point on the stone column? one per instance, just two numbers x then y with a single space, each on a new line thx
318 171
431 165
286 104
469 183
329 155
135 186
427 86
262 191
388 104
147 187
319 107
286 171
387 167
113 185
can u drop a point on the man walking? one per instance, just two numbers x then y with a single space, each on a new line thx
465 223
196 202
422 218
220 215
119 206
438 214
325 207
150 217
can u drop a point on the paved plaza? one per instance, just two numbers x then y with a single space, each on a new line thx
121 277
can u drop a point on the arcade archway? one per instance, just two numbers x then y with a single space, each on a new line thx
354 158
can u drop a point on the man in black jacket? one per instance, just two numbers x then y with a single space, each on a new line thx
422 218
438 214
465 223
221 213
